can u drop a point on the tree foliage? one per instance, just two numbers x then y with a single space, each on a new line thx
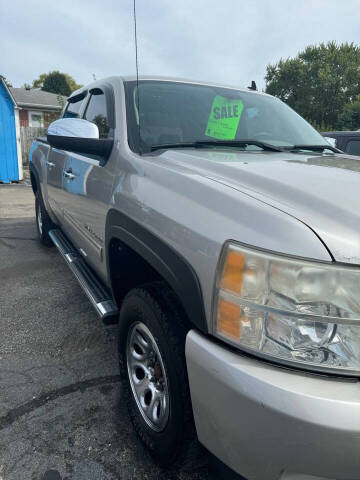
39 82
349 119
56 82
72 83
319 82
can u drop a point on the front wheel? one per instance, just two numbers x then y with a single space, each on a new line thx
154 378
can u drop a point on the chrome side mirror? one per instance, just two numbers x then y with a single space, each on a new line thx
78 136
73 127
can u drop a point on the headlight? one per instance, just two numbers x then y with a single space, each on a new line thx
290 310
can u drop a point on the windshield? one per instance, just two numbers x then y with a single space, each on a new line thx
174 112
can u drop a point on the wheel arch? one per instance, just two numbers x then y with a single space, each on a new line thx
34 178
161 258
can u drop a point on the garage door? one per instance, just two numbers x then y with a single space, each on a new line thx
8 152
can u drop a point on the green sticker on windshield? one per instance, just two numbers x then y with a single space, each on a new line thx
224 118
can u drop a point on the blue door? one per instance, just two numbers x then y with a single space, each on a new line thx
8 151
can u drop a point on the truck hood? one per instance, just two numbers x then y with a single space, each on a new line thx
320 190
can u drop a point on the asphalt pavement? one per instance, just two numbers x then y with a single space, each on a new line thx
62 416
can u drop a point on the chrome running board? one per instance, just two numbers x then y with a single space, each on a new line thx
92 286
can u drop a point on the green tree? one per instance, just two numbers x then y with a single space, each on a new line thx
349 119
318 82
72 83
39 82
56 80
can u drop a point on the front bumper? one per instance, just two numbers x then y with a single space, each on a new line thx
268 423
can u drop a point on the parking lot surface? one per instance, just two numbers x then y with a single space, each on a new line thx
61 410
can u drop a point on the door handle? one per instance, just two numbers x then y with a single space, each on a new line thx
49 164
68 174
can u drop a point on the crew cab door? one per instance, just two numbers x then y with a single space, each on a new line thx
56 161
88 184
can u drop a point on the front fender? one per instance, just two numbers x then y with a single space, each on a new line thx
175 269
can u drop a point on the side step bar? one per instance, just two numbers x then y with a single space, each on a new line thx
94 289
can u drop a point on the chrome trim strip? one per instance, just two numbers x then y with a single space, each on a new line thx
54 239
69 257
106 307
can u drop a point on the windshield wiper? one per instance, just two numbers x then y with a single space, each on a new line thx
218 143
314 148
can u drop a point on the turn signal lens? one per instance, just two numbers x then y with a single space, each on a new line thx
232 277
228 319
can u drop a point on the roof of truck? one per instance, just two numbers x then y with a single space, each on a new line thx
133 78
129 78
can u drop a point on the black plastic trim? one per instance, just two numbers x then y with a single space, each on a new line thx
76 98
35 175
91 146
164 259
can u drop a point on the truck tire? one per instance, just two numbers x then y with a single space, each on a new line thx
153 372
43 221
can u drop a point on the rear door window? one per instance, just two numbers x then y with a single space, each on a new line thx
97 112
353 147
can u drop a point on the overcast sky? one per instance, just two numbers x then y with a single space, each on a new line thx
229 41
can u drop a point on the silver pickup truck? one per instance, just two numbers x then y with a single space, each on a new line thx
222 232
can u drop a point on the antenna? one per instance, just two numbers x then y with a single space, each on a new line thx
137 72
